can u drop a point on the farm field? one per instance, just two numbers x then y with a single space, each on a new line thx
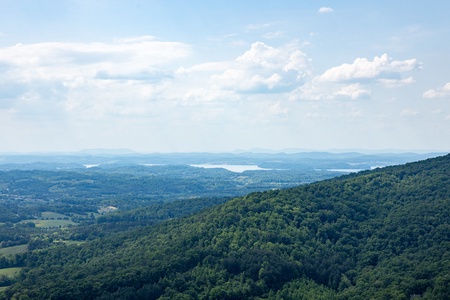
51 223
13 250
51 219
53 215
10 272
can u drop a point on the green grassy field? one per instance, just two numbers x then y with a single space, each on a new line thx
51 223
51 219
52 215
13 250
10 272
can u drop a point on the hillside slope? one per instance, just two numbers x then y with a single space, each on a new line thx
382 234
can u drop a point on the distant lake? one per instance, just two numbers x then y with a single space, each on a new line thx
90 166
232 168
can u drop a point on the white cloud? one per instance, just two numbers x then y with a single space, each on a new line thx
324 10
251 27
316 89
203 68
438 93
352 91
362 69
198 96
381 69
43 61
264 69
390 83
242 81
311 91
91 78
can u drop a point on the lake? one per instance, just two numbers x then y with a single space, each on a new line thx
232 168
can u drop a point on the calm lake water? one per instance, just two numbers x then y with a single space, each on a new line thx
232 168
90 166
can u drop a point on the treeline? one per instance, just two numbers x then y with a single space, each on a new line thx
381 234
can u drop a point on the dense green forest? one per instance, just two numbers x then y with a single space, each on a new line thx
381 234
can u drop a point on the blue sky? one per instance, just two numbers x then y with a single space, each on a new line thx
182 76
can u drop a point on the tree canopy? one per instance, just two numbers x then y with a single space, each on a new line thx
381 234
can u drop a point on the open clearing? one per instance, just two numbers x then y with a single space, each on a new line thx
13 250
10 272
53 215
51 223
51 219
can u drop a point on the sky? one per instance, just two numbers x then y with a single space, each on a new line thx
221 76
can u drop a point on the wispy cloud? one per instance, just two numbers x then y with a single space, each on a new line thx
441 92
353 91
391 83
43 61
251 27
325 10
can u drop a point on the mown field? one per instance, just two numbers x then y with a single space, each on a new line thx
13 250
10 272
51 219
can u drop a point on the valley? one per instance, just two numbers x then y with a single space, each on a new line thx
288 227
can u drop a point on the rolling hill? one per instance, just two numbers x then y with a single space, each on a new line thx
381 234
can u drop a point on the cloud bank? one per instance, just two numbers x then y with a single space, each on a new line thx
94 77
380 68
264 69
441 92
142 83
131 75
353 81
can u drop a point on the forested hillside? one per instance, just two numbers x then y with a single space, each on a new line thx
382 234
